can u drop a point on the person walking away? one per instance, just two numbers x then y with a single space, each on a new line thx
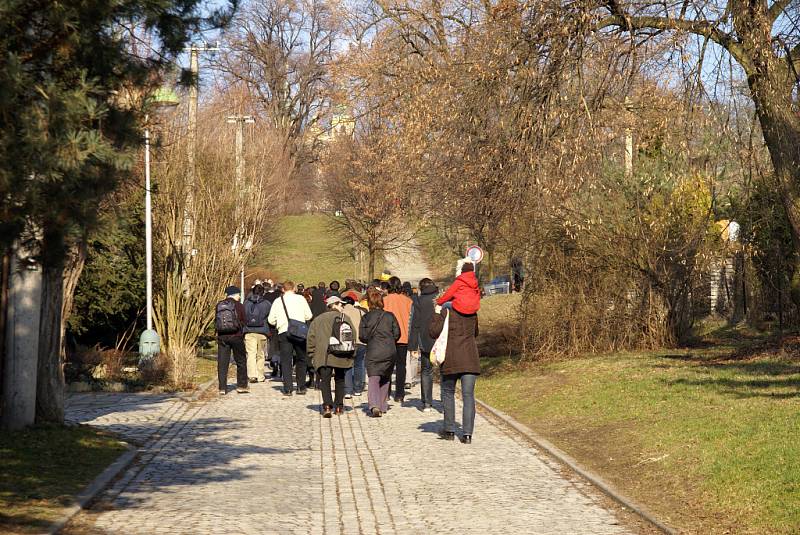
256 311
351 290
464 293
229 320
380 331
272 293
420 342
408 290
290 306
333 290
318 300
400 305
332 346
412 361
354 380
461 363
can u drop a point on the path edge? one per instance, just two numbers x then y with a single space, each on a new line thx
561 456
195 394
99 484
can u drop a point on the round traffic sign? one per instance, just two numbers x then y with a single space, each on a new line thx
475 253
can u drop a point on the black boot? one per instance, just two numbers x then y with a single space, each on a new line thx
466 439
447 435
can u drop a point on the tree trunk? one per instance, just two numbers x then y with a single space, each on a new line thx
72 274
371 267
772 94
58 288
50 376
490 262
5 274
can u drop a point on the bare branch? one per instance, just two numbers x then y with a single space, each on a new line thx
698 27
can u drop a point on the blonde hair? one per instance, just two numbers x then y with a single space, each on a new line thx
288 286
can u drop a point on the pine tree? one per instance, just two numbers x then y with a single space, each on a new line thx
67 136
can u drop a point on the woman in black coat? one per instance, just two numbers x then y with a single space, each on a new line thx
380 331
419 339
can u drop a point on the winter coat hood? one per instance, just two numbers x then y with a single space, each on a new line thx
469 278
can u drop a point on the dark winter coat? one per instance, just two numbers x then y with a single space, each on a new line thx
461 355
319 334
380 331
318 302
259 310
421 313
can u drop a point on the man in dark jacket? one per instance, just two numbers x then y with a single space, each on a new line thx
273 354
318 300
419 339
229 322
256 310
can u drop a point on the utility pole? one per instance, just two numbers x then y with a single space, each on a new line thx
240 121
191 151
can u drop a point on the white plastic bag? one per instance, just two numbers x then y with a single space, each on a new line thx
440 345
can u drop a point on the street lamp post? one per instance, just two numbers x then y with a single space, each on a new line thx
149 341
240 121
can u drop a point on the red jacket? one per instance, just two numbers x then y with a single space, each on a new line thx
464 293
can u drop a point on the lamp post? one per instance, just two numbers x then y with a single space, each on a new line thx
240 121
149 341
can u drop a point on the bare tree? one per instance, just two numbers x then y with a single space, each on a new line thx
281 51
232 221
763 38
369 200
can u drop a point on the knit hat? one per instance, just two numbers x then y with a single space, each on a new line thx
232 290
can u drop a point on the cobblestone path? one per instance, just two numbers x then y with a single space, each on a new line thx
260 463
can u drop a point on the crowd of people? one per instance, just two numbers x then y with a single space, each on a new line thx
378 335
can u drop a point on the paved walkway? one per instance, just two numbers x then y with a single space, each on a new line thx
408 263
260 463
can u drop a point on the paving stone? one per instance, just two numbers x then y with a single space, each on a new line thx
261 463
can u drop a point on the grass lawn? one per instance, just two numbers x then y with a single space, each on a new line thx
706 437
305 250
42 468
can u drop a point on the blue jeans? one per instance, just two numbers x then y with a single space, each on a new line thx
426 378
467 397
354 380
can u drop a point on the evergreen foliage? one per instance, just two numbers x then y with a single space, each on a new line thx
110 295
66 134
73 77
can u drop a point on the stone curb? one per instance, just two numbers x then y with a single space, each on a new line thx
195 394
95 487
564 458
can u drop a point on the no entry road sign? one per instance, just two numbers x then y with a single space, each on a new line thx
475 253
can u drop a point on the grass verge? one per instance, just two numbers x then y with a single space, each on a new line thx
43 468
706 437
305 249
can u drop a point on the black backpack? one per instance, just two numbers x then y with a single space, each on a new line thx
226 320
254 313
342 342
